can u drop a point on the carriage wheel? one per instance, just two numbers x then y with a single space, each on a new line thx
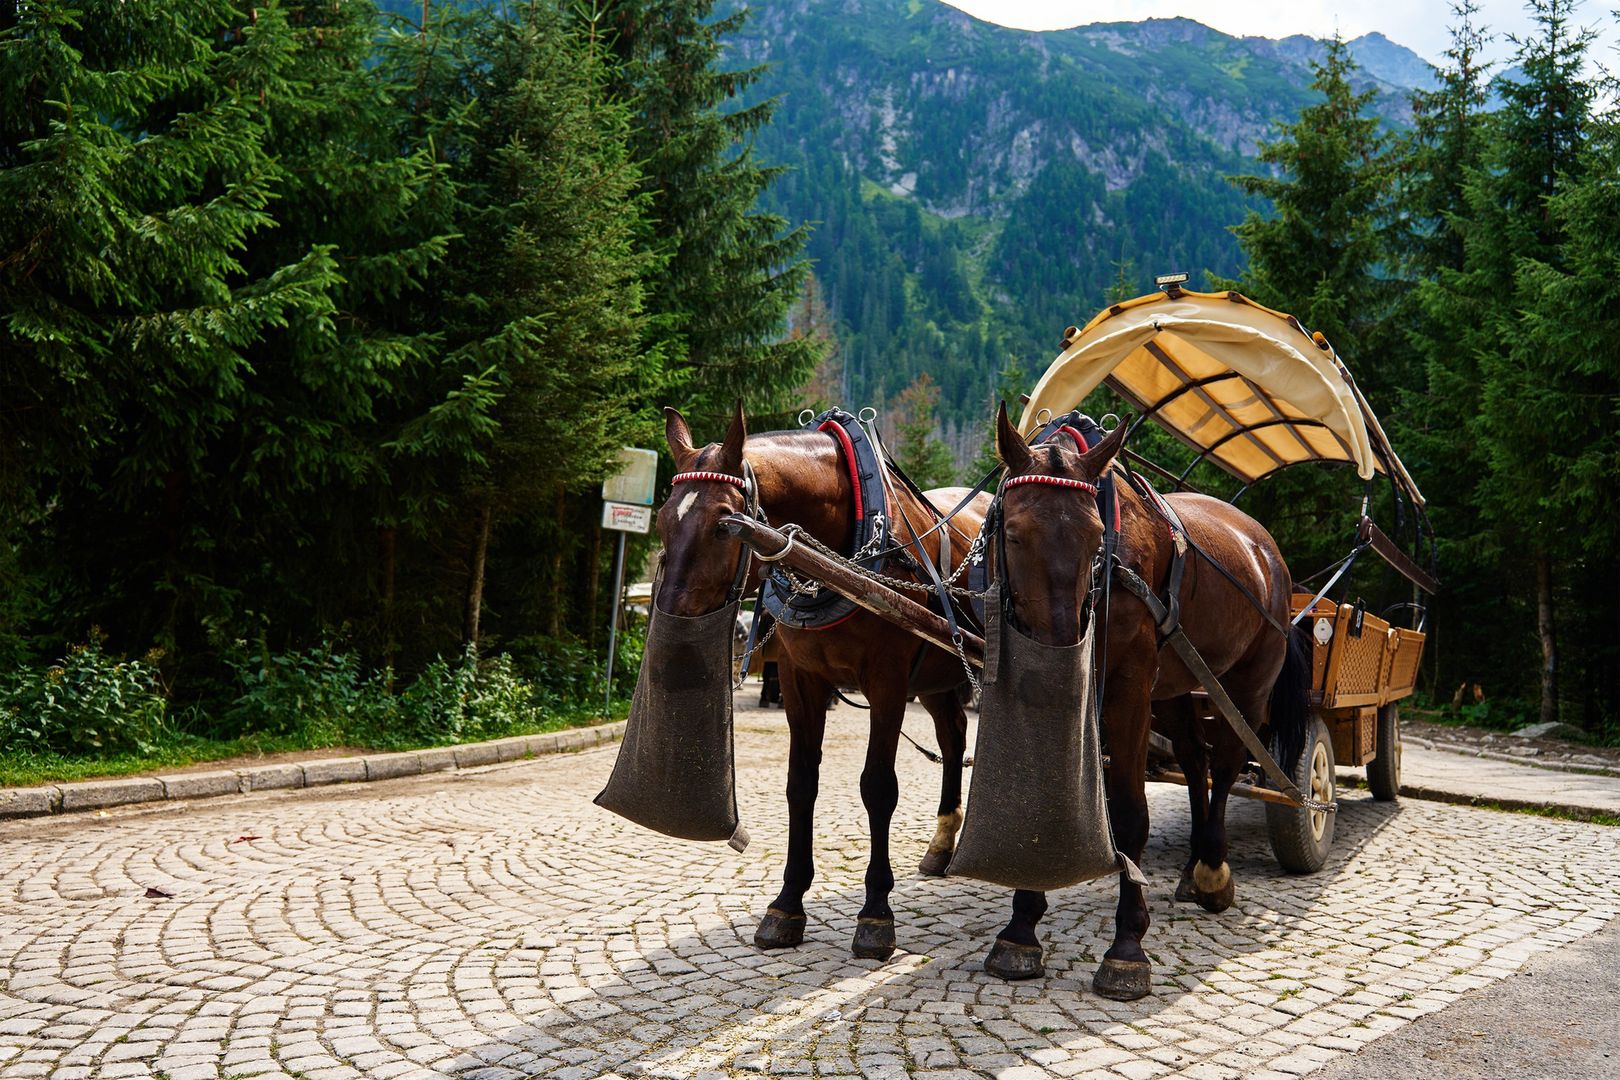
1301 838
1384 771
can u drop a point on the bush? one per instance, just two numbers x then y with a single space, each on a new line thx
88 703
318 695
470 700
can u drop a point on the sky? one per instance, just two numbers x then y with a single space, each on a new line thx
1420 25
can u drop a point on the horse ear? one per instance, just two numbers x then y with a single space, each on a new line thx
731 451
678 435
1095 460
1010 446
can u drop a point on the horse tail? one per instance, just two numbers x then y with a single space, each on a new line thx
1291 698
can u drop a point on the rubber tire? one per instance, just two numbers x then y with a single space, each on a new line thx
1384 770
1293 840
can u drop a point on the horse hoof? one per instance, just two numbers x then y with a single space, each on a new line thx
874 939
1123 980
934 863
779 930
1186 891
1217 901
1012 961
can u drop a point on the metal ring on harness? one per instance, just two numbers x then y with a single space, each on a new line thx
792 534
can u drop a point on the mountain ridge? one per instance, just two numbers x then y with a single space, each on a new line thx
976 188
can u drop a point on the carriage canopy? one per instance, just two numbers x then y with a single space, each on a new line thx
1245 386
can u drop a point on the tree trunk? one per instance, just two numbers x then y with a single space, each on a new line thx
596 581
1549 638
556 627
387 545
475 577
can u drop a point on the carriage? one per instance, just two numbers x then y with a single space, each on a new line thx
1249 391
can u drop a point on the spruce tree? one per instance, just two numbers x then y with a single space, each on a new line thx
716 311
135 170
1317 255
542 296
917 449
1520 394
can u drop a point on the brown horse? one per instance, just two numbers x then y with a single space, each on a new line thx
800 479
1052 534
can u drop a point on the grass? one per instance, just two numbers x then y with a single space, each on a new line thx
25 768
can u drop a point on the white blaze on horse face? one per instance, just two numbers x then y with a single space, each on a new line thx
684 505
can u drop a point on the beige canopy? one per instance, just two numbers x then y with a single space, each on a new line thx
1242 384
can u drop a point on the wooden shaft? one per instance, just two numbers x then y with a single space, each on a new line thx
1246 791
880 600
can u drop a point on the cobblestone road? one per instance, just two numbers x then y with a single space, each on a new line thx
496 924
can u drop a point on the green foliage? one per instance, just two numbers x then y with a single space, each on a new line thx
321 325
1317 253
917 449
317 694
730 271
87 703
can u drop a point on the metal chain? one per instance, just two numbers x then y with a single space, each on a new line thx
798 535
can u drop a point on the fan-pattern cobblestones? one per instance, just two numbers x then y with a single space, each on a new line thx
495 924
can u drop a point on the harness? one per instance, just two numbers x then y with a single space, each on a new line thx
1166 612
820 608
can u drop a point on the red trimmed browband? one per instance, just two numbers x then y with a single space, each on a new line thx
724 478
1055 481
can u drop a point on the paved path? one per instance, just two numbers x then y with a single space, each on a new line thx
494 923
1460 777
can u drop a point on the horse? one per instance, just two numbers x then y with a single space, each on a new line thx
800 478
1052 533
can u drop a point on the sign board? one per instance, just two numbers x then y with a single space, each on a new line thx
626 517
634 482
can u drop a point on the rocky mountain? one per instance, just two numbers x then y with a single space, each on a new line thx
976 188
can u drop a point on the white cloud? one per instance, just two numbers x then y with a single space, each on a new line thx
1420 25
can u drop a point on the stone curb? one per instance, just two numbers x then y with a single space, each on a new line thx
68 798
1512 759
1423 793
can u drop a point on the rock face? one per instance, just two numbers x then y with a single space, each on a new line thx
976 188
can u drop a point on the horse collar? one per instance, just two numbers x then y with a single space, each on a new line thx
823 607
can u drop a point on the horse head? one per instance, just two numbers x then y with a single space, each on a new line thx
1051 527
700 558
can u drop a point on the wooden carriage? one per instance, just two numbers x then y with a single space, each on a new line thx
1251 391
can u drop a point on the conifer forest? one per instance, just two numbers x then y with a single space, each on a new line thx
322 322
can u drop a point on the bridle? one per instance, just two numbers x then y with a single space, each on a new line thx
748 484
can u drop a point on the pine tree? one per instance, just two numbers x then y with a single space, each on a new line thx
135 169
543 295
716 311
1523 394
917 448
1318 254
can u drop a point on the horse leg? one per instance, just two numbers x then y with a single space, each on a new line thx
1181 722
1212 877
880 792
1017 952
950 728
1125 973
805 698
